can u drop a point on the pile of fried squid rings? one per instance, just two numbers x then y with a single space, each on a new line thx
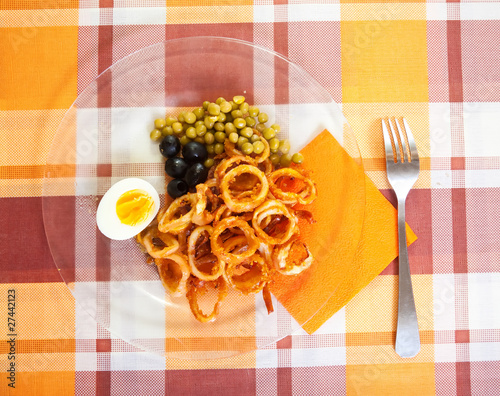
236 230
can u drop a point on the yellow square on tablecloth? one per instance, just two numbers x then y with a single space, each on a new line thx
39 68
370 72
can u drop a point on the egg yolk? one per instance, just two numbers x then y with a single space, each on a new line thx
133 207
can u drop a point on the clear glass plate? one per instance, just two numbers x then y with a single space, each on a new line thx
104 137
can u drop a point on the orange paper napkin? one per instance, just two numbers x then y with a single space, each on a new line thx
353 239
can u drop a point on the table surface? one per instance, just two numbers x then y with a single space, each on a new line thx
436 63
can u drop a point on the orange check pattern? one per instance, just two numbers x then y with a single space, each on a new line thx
434 62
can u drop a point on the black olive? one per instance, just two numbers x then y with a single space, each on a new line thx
176 167
170 146
177 188
196 174
194 152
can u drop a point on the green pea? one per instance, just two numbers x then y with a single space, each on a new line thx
219 126
209 138
275 159
244 107
238 99
177 128
229 128
250 121
209 122
189 117
199 139
286 160
246 132
269 133
274 144
233 137
237 113
180 117
284 146
255 138
276 127
222 117
209 162
184 140
247 148
226 107
218 148
242 140
219 100
260 127
160 123
201 129
213 109
191 133
167 131
205 104
263 118
253 111
258 147
220 137
199 113
239 123
210 148
155 135
297 158
170 120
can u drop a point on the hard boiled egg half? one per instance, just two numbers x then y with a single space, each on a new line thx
127 208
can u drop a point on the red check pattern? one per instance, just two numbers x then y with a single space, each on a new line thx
61 350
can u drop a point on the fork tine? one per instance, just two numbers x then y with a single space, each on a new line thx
388 143
397 141
402 141
411 142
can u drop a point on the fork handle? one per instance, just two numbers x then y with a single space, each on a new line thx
407 335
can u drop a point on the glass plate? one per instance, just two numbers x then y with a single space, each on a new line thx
104 137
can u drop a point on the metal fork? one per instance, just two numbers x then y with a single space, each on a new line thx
403 167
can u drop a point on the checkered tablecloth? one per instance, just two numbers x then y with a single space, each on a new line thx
436 63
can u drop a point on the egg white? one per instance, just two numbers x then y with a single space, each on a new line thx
107 219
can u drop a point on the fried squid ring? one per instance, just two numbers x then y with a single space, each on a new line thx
266 250
229 163
231 150
174 273
226 252
248 200
179 214
236 244
139 238
292 257
243 183
197 288
203 263
273 222
305 196
206 204
223 211
158 244
250 276
266 166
